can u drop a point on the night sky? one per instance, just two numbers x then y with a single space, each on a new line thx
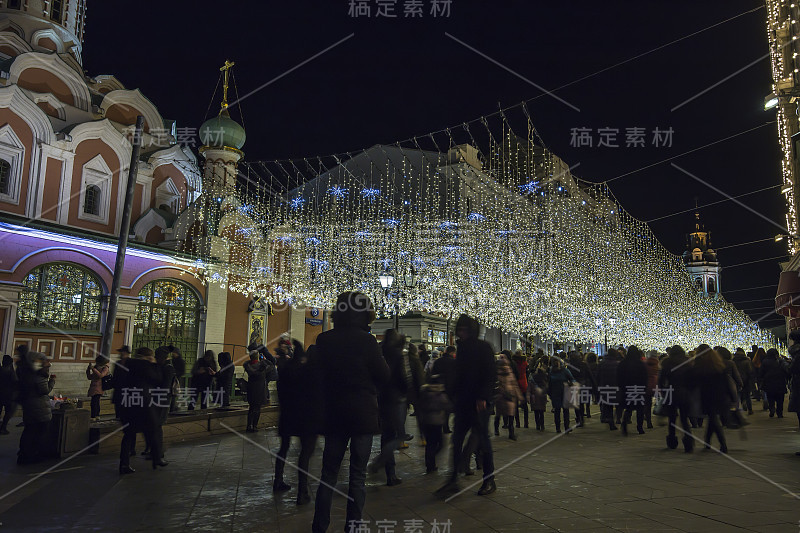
403 77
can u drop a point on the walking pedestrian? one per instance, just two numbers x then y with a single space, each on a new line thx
95 375
35 384
714 392
300 398
521 362
773 376
583 376
393 402
353 370
9 390
608 389
138 412
259 372
558 378
432 408
632 381
508 395
225 377
474 390
538 393
119 369
444 367
748 376
179 365
202 376
676 382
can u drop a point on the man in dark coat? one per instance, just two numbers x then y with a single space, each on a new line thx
445 368
474 390
676 382
225 377
353 371
35 384
163 397
259 371
632 382
774 376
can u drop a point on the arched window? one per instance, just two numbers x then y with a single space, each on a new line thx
712 286
60 296
168 313
57 10
5 177
698 284
91 200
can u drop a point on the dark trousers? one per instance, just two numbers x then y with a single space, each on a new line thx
31 440
557 417
392 436
648 409
746 399
508 421
715 427
332 456
152 437
538 418
524 406
253 414
307 445
95 405
434 441
579 416
9 407
627 415
468 418
775 402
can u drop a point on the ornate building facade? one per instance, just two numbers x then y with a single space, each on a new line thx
65 152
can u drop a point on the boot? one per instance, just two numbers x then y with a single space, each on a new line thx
672 442
393 480
279 485
303 497
488 487
558 423
624 427
688 444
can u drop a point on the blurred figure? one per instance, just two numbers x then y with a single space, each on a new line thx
393 400
432 409
714 392
116 395
582 374
675 383
508 395
259 372
773 376
353 371
138 411
164 399
202 376
225 377
95 375
300 398
521 363
748 376
35 384
794 372
608 388
180 370
732 415
632 381
8 392
558 378
653 366
474 391
537 389
444 367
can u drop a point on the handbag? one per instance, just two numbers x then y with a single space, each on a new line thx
107 382
571 395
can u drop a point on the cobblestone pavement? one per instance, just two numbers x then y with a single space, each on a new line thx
588 480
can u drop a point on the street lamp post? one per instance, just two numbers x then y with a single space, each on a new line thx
387 280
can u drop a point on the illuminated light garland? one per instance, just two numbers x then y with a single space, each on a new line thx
560 259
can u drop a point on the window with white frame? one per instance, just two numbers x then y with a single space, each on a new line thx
95 198
168 197
12 153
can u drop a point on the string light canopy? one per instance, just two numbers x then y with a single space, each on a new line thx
475 219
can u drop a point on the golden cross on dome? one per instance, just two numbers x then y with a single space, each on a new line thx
226 68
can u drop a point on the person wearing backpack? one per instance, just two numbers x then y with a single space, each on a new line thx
95 375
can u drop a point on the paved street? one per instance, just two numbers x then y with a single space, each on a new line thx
589 480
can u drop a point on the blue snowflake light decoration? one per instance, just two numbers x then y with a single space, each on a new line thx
476 217
337 192
370 194
297 203
313 241
391 222
529 187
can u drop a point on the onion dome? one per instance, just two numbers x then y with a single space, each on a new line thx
222 131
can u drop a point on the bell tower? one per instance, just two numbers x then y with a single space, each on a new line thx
701 260
43 25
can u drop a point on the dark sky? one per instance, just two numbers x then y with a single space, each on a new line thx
404 77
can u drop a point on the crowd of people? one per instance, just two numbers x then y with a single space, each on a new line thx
349 387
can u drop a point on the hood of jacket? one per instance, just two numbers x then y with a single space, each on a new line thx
466 321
